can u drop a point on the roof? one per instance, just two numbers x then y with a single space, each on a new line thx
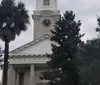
32 43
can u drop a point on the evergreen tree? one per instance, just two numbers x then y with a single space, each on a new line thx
90 62
13 19
98 28
66 38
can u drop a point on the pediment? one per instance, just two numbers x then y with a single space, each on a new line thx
40 46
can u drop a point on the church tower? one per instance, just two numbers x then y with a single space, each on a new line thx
45 16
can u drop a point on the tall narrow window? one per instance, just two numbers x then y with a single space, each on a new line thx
46 2
21 78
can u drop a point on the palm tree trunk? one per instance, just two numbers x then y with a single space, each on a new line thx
5 69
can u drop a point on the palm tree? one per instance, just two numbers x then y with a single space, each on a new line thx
13 19
1 57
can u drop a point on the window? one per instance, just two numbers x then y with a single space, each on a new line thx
46 2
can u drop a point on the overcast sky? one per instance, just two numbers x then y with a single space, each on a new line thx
85 10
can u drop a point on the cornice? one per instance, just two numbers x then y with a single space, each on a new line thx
28 59
27 56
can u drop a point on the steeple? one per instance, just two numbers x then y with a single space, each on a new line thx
46 4
45 16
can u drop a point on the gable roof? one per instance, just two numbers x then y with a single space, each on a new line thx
34 42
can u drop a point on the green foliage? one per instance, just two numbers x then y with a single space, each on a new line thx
64 51
13 19
90 62
98 28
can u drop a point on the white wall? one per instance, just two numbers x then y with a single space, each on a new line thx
36 79
40 6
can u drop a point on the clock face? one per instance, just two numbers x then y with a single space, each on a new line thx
46 22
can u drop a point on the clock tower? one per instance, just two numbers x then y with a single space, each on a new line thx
45 16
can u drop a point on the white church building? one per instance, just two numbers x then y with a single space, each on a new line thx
28 61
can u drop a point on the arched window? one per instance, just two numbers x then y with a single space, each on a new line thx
46 2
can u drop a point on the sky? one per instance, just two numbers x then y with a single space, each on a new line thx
85 10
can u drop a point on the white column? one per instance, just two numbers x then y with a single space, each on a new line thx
14 77
10 75
17 80
32 75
